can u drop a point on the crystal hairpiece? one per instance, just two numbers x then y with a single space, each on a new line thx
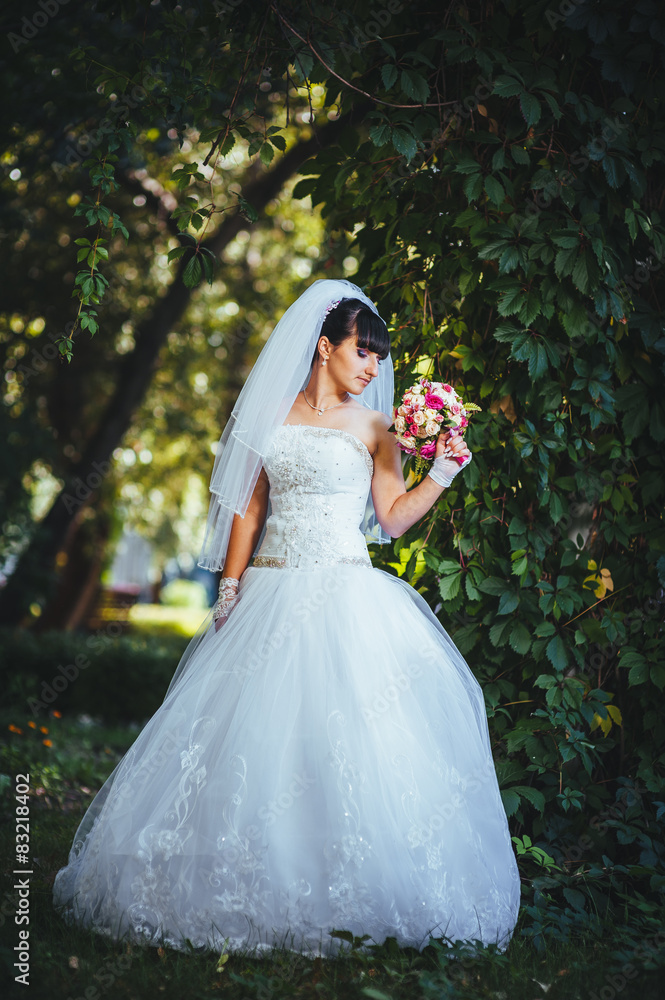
333 305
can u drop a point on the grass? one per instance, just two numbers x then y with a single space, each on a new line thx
70 963
162 619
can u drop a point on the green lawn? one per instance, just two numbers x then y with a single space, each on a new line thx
67 962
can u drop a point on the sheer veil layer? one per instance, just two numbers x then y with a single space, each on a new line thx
279 374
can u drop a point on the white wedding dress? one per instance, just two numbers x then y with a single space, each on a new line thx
321 762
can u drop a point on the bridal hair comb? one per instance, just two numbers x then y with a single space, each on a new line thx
332 306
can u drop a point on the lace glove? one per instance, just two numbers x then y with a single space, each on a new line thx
228 595
443 472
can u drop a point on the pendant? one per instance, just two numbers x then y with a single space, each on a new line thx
321 412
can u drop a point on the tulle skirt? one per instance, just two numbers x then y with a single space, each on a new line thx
320 763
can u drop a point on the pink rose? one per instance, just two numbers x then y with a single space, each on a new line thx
431 399
428 450
413 429
456 408
447 388
464 421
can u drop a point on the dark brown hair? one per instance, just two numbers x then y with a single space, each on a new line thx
351 316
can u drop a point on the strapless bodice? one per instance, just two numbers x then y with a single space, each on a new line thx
319 482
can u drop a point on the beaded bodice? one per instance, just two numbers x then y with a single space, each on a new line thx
319 483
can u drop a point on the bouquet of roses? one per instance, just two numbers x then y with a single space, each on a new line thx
426 409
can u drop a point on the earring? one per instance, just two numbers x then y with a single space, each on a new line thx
323 363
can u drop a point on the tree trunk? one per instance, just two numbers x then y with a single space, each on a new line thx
36 572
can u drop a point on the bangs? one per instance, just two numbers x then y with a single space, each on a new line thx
372 333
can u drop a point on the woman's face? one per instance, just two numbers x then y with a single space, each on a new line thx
350 366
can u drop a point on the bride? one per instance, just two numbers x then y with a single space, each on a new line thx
321 759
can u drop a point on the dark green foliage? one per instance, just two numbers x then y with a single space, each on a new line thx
104 674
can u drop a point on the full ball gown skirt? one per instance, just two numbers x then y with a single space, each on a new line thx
322 762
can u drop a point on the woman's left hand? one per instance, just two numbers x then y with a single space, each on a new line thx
451 444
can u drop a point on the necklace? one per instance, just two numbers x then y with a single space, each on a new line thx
324 409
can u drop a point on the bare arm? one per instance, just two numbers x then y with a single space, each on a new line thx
396 508
245 531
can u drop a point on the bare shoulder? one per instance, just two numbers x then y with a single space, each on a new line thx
372 426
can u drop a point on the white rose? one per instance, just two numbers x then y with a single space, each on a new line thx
417 389
401 410
432 427
400 424
418 417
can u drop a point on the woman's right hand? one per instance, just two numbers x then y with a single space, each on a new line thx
228 595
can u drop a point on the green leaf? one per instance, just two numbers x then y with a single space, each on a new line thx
388 75
581 274
564 262
657 422
509 259
495 190
556 507
520 155
266 153
507 86
556 653
192 273
532 795
499 633
520 638
379 134
510 800
449 585
176 253
404 143
247 210
415 86
305 187
639 674
493 585
508 602
531 108
473 186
